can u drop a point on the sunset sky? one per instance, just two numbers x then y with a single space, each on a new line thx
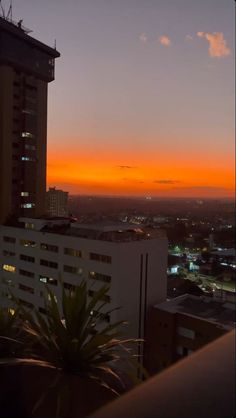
143 101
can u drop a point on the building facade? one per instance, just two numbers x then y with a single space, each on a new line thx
57 202
180 326
130 260
26 68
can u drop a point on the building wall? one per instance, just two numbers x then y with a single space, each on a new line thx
124 270
165 345
6 117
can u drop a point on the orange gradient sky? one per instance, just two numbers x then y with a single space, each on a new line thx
143 98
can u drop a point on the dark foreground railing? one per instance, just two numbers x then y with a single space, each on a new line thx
200 386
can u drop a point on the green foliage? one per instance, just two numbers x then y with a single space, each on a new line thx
75 338
10 333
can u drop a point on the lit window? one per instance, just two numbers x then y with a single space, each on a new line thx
24 194
28 111
29 225
49 247
24 158
9 268
27 243
28 205
27 135
73 252
48 280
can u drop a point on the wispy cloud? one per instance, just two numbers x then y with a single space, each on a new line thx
166 181
188 38
203 188
143 38
165 40
125 167
217 44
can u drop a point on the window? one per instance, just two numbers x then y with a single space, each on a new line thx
24 158
26 273
105 317
42 310
73 270
100 257
27 205
48 280
99 276
25 303
30 147
73 252
24 194
186 332
29 225
8 253
50 264
69 286
26 288
9 239
28 111
27 243
27 258
8 267
105 298
27 135
49 247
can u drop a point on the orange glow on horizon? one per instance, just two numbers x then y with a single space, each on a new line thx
111 173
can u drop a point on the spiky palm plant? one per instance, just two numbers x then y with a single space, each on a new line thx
10 333
75 339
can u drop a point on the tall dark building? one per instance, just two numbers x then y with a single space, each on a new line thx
26 68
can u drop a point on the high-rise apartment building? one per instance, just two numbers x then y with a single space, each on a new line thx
57 202
26 68
131 261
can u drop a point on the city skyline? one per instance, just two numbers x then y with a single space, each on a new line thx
143 102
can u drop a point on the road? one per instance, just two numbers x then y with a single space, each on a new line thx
212 282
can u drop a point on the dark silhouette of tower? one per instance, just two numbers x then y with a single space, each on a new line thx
26 68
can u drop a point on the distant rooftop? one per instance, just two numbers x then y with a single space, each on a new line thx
103 231
222 313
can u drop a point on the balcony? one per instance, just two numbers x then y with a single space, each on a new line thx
200 386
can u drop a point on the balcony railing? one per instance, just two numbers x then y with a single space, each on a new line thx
200 386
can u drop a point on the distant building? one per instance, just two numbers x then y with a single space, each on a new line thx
26 68
130 259
178 327
57 202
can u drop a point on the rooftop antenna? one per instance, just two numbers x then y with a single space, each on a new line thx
2 9
9 13
6 15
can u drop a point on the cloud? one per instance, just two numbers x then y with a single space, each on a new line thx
164 40
203 188
217 44
143 38
166 181
188 38
125 167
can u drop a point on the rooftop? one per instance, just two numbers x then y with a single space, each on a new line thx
103 231
220 312
17 30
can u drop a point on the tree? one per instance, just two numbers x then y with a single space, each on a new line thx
79 350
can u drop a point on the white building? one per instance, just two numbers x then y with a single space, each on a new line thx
133 261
